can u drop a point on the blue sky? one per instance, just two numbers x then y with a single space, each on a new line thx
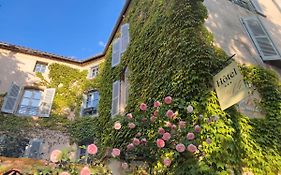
72 28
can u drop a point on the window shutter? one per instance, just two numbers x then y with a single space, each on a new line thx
116 55
34 149
261 39
83 105
125 37
126 86
46 103
257 7
10 100
115 98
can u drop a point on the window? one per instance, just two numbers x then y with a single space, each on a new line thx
90 103
94 72
30 102
120 45
261 39
40 67
252 5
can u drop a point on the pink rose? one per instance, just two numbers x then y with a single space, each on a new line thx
190 136
143 141
143 120
138 134
124 165
180 147
182 124
115 152
85 171
117 125
131 125
130 116
168 100
130 146
174 127
64 173
166 136
161 131
152 119
170 114
143 107
155 113
167 162
157 104
160 143
208 140
192 148
169 124
56 156
92 149
189 109
136 141
197 128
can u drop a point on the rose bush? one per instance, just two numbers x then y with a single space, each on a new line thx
165 132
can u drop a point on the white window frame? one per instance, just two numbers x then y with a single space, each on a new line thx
93 72
40 67
30 100
85 100
255 43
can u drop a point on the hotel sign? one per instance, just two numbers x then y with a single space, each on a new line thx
230 86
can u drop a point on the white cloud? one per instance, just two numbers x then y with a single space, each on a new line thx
101 43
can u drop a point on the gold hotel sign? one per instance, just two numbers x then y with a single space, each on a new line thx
230 86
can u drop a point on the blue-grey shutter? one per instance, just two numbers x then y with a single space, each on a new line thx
47 101
262 41
125 37
115 98
116 54
34 149
10 99
126 86
83 105
257 6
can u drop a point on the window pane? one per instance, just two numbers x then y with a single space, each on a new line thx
27 93
35 103
25 102
37 95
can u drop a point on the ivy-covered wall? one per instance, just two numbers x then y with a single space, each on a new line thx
172 53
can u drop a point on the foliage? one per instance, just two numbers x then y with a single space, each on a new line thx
70 83
83 130
172 53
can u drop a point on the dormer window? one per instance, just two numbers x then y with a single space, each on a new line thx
93 72
40 67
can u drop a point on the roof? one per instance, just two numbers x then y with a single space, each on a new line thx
52 56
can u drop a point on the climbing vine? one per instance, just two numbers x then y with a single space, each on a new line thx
172 53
